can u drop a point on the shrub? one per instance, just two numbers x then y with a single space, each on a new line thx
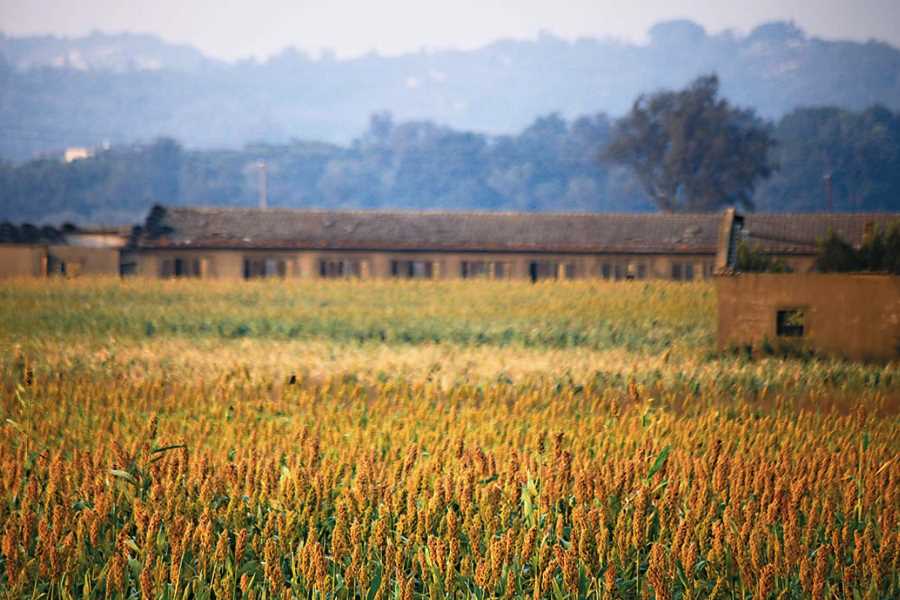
880 251
754 260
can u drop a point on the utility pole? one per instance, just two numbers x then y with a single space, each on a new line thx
828 191
263 184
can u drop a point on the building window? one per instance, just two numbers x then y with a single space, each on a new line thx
538 270
264 267
790 322
682 271
334 268
181 268
605 270
55 266
641 271
469 269
412 269
570 271
618 272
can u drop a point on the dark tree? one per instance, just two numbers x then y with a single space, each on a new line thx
880 251
693 151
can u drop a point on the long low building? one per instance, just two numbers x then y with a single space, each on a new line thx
249 243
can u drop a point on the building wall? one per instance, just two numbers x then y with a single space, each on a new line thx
20 260
229 264
86 261
856 316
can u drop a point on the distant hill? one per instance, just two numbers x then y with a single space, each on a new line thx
57 92
119 53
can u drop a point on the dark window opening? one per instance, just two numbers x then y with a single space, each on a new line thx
790 322
259 268
538 270
474 268
412 269
570 270
605 271
682 271
337 268
469 269
180 267
56 266
642 271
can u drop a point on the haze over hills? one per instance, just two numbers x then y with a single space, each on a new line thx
57 92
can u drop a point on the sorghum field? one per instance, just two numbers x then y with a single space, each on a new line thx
430 440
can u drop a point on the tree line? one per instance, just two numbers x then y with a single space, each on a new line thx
684 150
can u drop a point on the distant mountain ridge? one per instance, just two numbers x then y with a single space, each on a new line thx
120 88
117 52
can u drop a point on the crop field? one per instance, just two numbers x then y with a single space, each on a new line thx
430 440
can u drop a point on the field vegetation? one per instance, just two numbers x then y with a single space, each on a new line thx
477 440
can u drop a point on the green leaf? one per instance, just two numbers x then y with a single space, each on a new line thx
375 583
659 462
135 567
167 448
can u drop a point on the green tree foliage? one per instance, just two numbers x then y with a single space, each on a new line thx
880 251
691 150
26 233
754 260
549 166
860 151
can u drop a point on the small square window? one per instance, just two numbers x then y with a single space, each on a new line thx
790 322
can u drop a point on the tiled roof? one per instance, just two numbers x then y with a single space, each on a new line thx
277 228
798 233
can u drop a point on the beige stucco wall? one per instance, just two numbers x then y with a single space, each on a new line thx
85 261
856 316
229 264
22 260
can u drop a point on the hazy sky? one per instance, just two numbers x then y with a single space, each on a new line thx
232 29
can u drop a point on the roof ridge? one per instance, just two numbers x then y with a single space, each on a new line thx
451 213
794 215
481 213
